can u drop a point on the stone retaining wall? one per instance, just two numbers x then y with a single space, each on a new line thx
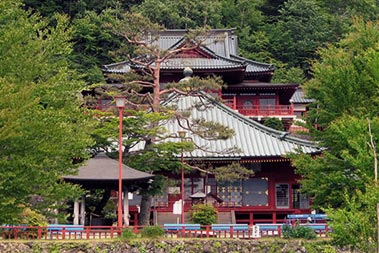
171 246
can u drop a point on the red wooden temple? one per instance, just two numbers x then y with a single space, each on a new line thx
249 98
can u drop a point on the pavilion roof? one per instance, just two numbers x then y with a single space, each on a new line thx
102 168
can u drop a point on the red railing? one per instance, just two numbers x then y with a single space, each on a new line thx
59 232
267 110
77 232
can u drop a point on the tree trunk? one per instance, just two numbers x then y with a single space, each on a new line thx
144 215
100 206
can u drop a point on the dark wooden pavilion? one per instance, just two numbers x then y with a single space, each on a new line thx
101 172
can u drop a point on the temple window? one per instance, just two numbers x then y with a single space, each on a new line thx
299 200
282 195
267 102
247 105
255 192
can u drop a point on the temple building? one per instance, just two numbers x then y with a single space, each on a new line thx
249 89
248 99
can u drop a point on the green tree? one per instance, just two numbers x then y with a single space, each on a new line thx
342 180
301 28
345 88
203 214
346 79
77 8
181 14
353 224
347 9
233 172
43 130
346 166
274 123
93 44
242 13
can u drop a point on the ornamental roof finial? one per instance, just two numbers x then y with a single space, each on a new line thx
187 72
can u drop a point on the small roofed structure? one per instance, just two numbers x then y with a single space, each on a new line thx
101 172
201 198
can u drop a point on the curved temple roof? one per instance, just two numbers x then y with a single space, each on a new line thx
103 169
253 139
220 45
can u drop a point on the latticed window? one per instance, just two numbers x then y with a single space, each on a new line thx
299 200
282 195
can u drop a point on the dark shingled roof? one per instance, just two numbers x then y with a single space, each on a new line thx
300 98
103 170
220 45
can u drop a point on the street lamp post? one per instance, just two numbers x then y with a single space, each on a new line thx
120 104
182 135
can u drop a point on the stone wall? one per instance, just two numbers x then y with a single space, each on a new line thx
171 246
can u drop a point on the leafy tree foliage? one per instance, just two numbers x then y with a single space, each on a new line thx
77 8
297 231
242 13
94 44
43 130
274 123
232 172
271 8
353 224
203 214
347 9
181 14
342 180
286 33
345 87
301 28
346 80
285 74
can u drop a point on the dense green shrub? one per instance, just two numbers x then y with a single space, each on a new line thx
298 232
29 218
203 214
274 123
128 233
152 232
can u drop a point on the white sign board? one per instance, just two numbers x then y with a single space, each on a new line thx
256 232
177 207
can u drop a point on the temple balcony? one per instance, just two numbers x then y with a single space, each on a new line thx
254 111
257 111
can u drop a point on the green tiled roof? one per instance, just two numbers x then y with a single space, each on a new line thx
254 140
